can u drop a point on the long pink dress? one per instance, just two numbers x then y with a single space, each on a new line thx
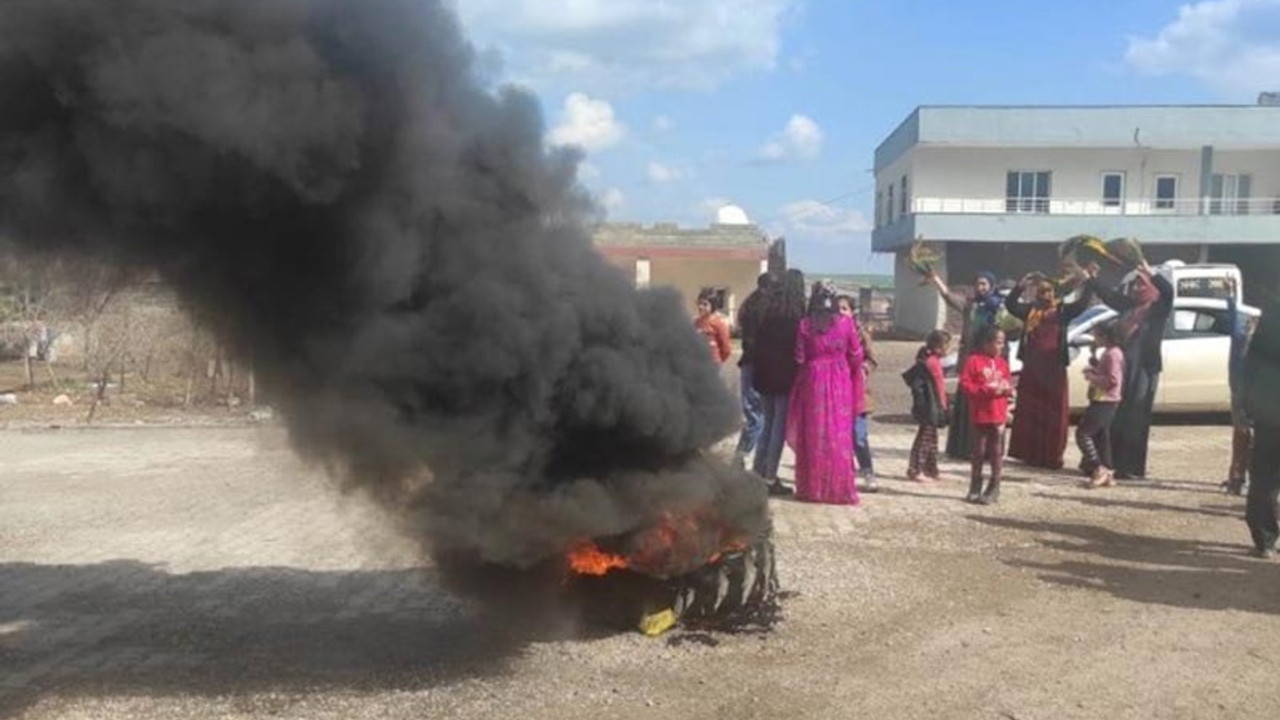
825 399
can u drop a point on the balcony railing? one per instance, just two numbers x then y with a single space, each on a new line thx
1096 206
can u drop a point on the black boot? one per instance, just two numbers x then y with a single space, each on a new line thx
992 495
975 491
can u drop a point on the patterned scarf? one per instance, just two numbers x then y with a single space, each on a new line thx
1040 312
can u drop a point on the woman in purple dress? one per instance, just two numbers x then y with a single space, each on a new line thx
825 399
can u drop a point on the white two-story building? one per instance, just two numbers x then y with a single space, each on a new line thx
999 188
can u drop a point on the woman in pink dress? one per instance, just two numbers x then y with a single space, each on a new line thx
825 400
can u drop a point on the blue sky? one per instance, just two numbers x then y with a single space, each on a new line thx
777 105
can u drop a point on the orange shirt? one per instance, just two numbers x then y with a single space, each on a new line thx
716 331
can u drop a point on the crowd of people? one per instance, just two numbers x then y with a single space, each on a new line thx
805 365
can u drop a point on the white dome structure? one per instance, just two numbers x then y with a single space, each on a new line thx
732 215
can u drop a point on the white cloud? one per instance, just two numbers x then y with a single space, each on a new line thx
613 199
587 123
662 123
587 171
1232 46
695 44
819 220
659 173
801 139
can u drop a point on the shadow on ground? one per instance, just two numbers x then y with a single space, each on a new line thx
1104 499
1150 570
130 628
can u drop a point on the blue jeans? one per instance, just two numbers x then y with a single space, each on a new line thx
862 447
772 438
752 413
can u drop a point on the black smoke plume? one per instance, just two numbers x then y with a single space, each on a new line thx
333 187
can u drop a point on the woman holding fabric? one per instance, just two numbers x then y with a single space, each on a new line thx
983 308
1042 420
1144 300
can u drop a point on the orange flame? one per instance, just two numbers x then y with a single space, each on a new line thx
675 544
588 559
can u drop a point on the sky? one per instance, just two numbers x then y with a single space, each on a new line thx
681 106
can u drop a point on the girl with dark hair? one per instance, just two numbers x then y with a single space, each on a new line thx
983 308
1105 376
861 431
714 328
1042 420
773 357
825 399
928 406
986 383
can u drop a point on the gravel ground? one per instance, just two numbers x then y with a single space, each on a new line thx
205 572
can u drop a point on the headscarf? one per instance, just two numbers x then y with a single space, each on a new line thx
1144 293
822 306
1038 313
986 308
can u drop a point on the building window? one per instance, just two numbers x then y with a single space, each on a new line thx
879 208
1112 189
904 199
1166 192
1229 194
1027 191
889 206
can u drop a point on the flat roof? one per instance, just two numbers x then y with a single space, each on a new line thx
672 235
1067 126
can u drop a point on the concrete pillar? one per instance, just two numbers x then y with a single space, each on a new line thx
917 309
642 274
1206 177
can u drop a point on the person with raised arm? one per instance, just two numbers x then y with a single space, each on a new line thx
1144 299
982 308
1042 420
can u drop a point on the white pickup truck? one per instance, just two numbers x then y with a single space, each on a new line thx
1197 342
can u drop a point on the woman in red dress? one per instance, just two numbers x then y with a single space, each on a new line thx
1042 419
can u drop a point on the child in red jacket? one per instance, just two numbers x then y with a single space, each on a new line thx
987 384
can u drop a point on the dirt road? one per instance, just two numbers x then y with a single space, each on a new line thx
172 573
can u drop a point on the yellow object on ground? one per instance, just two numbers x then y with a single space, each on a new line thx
656 623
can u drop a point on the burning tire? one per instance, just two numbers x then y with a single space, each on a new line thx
736 589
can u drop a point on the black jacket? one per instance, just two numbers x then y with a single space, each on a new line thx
773 355
749 324
926 406
1262 368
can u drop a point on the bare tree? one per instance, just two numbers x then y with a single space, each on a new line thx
36 294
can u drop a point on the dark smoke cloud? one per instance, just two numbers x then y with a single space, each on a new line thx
331 187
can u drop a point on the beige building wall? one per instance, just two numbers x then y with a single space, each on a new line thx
689 275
